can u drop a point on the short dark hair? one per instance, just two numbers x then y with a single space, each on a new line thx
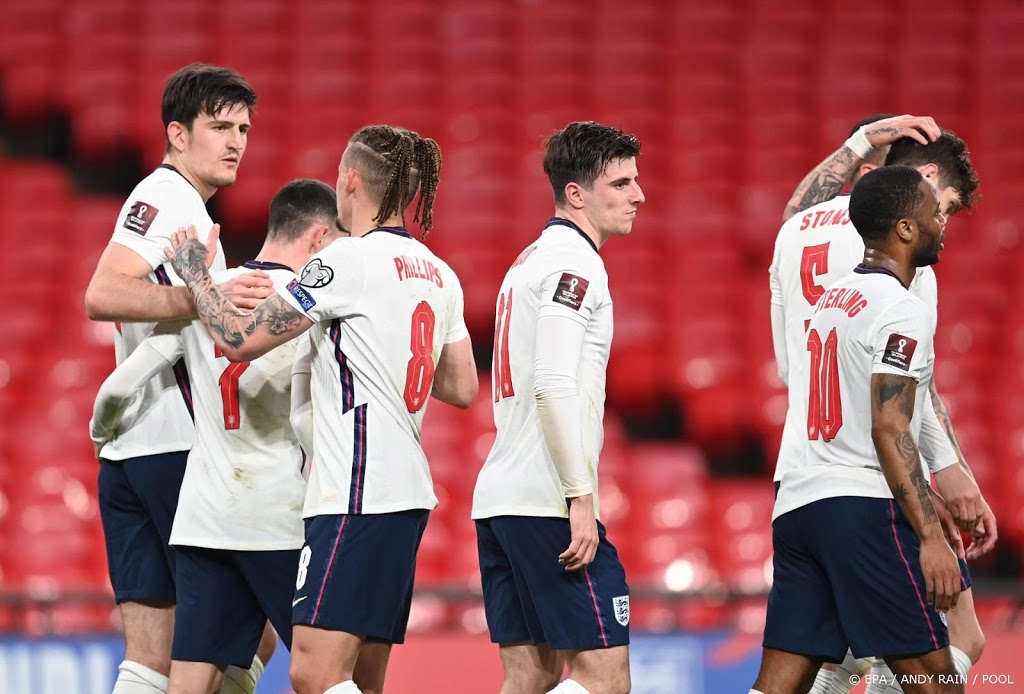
950 154
300 204
580 152
395 163
203 89
884 196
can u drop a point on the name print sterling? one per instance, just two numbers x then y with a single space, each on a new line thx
417 269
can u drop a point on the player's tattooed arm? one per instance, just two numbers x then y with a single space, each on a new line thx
892 407
830 176
240 335
942 414
824 182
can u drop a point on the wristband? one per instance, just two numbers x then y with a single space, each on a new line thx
858 142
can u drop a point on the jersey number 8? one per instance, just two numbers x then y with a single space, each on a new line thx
419 374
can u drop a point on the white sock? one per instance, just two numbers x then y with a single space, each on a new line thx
569 686
848 673
822 682
347 687
239 681
135 678
961 662
883 681
755 691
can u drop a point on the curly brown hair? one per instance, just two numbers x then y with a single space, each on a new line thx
950 154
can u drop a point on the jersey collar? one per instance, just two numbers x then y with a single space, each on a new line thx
265 265
170 167
563 222
397 231
875 270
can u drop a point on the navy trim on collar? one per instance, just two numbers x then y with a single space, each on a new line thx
562 221
265 265
863 269
397 231
169 167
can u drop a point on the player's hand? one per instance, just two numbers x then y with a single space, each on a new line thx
949 526
187 250
963 498
583 528
941 572
888 130
249 290
985 534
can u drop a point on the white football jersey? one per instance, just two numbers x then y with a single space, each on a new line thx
161 417
562 274
813 250
866 323
243 487
384 306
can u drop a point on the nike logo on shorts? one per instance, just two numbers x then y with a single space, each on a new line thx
298 600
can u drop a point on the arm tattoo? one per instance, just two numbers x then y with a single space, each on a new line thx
824 182
947 425
220 315
902 388
908 454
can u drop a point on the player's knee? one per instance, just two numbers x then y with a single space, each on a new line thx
530 680
974 645
305 680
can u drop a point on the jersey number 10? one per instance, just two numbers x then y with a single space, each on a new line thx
824 406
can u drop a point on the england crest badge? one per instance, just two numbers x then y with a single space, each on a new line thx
621 607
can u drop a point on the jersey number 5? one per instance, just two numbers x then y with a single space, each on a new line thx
229 391
419 374
824 406
502 368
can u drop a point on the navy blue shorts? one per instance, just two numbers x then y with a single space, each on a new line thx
356 573
529 596
848 571
225 598
138 498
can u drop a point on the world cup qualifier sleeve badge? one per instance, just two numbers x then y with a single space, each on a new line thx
620 606
570 291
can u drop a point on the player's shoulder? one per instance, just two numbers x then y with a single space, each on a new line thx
564 248
828 215
164 184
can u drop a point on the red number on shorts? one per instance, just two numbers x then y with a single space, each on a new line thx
229 391
419 375
502 368
824 407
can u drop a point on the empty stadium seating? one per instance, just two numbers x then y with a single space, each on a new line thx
733 100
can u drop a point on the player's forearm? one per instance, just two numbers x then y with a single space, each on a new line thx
942 414
825 182
120 297
901 465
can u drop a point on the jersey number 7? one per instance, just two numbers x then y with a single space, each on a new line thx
229 391
824 406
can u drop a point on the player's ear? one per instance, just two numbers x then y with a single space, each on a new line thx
574 195
351 177
318 238
906 229
931 173
865 168
177 135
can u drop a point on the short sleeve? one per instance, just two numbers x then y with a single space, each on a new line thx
150 218
902 339
573 292
457 324
330 285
